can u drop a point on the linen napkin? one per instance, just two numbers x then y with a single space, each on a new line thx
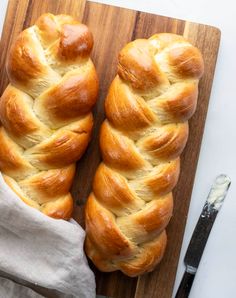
42 250
9 289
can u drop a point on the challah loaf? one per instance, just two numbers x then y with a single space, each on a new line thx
46 111
147 109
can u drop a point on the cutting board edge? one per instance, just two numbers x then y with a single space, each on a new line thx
217 29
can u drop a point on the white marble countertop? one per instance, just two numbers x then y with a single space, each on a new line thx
217 271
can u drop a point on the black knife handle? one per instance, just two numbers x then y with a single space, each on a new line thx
185 285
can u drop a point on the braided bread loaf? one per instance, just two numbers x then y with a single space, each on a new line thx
147 108
46 111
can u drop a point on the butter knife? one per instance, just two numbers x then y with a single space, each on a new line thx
201 232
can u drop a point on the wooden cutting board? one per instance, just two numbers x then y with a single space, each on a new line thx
112 28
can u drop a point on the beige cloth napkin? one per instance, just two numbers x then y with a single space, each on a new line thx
42 250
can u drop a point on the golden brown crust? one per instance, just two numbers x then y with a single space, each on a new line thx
48 185
113 191
131 112
12 162
108 236
45 112
64 147
80 90
48 28
117 150
147 108
149 255
16 116
24 62
76 41
167 142
59 209
186 61
138 67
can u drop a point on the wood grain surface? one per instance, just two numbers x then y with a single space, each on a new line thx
112 28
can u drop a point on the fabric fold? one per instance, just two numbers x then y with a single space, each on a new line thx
42 250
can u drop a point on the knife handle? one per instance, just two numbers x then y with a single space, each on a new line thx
185 285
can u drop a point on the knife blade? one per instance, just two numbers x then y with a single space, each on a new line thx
201 232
